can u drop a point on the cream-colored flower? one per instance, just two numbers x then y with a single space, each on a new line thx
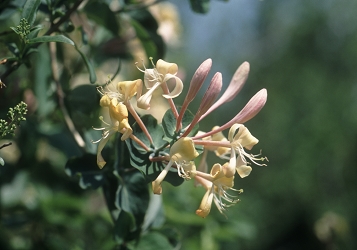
153 78
238 160
129 88
217 186
119 123
182 153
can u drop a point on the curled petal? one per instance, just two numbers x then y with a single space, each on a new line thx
177 89
219 176
243 137
242 168
100 160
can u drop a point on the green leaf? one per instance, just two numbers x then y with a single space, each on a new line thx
151 170
2 162
154 241
29 10
124 228
133 195
87 170
92 75
46 105
139 158
200 6
169 124
102 15
13 48
154 216
83 105
34 31
145 39
47 39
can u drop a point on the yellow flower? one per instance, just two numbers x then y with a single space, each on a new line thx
153 78
119 123
240 140
182 153
129 88
183 150
217 186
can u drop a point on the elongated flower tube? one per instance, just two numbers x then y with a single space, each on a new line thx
156 76
217 186
195 85
238 80
251 109
181 152
209 97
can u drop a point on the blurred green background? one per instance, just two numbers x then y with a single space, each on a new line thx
305 54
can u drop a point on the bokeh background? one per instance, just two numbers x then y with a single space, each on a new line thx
304 52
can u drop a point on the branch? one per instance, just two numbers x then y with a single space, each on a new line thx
54 27
5 145
54 66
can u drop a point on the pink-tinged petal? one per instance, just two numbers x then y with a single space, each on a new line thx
210 96
238 80
195 85
177 89
251 109
203 182
198 79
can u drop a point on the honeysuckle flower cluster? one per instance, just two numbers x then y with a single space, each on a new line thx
170 150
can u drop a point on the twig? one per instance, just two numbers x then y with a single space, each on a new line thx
55 26
5 145
54 66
